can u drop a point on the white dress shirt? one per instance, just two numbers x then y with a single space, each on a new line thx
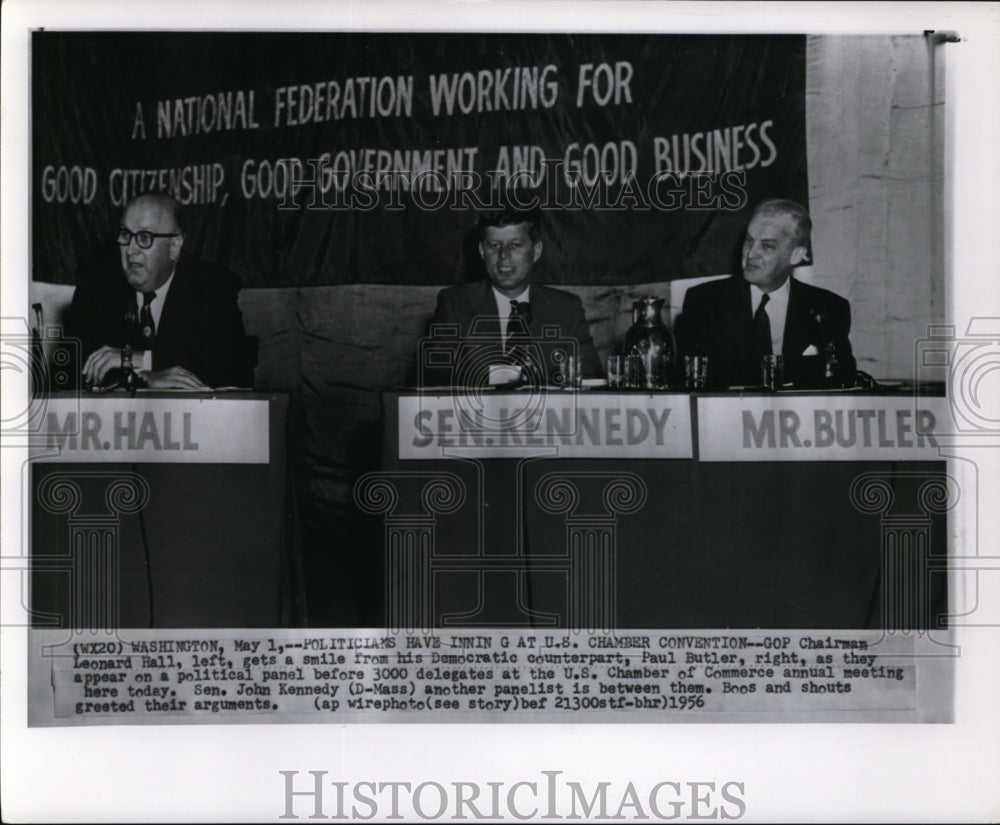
156 307
776 309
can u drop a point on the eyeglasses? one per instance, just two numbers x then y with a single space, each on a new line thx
143 238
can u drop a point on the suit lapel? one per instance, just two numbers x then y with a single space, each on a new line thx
542 312
170 331
738 336
796 322
484 305
741 317
741 306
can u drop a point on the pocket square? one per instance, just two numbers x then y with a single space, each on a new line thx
810 350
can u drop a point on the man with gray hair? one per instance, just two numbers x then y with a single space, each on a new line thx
736 321
179 314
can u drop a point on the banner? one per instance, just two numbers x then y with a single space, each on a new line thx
311 159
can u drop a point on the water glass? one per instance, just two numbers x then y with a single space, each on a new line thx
572 379
772 371
695 372
635 372
616 371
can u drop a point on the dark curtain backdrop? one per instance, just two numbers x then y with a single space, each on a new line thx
90 150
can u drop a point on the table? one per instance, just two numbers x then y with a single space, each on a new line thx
164 510
605 510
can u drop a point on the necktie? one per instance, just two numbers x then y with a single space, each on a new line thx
147 329
518 348
518 328
521 308
762 327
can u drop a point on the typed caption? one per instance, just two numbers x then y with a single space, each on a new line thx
155 677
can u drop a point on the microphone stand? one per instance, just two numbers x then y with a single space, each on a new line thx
129 381
125 376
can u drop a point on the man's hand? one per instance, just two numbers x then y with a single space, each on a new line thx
176 378
99 362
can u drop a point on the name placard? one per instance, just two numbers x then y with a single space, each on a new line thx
563 424
156 430
821 428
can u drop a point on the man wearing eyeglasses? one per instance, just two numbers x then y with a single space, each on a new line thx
180 315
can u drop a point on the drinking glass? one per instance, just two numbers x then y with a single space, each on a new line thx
772 371
616 371
695 372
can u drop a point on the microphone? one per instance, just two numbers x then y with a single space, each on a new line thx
131 325
125 376
129 381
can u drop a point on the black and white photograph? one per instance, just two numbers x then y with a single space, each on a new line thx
449 411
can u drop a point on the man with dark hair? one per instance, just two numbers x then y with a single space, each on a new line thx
510 307
180 315
736 321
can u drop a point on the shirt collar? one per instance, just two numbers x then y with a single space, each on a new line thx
161 291
779 297
503 302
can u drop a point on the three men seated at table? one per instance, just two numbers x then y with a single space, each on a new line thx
180 315
183 320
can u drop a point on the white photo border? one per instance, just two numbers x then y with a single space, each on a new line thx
790 772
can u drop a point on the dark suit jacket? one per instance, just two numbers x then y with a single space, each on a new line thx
200 329
717 321
461 305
